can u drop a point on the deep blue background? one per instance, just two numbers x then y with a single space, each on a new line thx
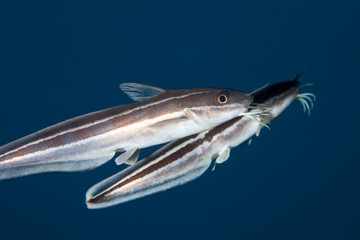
298 181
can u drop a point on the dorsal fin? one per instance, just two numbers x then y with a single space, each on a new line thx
258 89
300 73
140 92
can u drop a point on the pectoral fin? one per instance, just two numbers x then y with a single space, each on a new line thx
192 115
129 157
140 92
258 131
223 155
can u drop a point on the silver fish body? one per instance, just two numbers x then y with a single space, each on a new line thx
90 140
186 159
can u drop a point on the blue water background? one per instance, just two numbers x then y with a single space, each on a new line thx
61 59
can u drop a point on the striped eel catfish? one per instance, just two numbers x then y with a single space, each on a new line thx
90 140
186 159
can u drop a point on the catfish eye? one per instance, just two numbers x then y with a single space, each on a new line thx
222 98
